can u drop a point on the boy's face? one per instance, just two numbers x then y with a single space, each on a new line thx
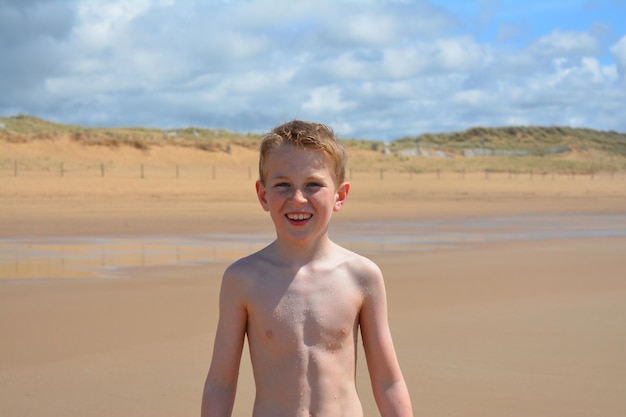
300 192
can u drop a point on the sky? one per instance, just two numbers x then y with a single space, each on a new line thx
371 69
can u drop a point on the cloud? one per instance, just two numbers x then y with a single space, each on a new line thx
104 23
619 54
326 99
376 69
33 39
561 43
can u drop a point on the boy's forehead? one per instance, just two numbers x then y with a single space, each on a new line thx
286 158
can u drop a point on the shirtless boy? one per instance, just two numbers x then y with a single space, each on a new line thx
302 300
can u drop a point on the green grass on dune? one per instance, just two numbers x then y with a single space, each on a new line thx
587 151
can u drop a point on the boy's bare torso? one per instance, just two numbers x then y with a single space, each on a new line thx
302 331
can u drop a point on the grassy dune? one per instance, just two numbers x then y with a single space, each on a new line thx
523 149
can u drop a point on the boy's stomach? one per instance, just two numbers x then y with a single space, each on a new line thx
311 381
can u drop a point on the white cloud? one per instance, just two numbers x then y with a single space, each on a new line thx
448 55
323 100
348 67
619 54
565 43
598 73
370 29
472 98
376 69
103 23
240 46
405 62
460 54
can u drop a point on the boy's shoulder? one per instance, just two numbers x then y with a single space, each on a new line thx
251 266
245 265
266 258
354 258
364 266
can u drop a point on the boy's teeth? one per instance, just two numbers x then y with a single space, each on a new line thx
299 216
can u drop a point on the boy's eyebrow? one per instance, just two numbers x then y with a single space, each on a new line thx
280 177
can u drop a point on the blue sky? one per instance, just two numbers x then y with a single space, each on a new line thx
371 69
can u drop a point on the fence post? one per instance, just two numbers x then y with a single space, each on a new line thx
381 174
62 170
141 171
177 173
15 168
102 169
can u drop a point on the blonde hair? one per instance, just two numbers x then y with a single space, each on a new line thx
305 135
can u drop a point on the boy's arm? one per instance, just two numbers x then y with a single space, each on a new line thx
390 390
221 382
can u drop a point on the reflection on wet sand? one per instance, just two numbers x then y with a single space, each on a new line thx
115 256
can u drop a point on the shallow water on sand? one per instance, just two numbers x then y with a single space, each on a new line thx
117 256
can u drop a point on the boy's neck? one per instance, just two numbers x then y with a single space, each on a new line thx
302 253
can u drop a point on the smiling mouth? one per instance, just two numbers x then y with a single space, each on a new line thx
298 217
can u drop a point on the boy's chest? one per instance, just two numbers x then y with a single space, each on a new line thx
321 313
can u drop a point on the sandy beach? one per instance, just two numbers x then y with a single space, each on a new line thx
506 293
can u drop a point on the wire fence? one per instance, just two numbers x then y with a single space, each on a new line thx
142 171
214 172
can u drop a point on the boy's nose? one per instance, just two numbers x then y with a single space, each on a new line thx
298 196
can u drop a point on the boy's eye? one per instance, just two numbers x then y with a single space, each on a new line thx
314 184
281 184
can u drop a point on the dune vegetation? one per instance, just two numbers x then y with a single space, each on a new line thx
518 149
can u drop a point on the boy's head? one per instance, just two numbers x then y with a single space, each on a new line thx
305 135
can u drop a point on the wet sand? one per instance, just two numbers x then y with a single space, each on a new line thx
506 295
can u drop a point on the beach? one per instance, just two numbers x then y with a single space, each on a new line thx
506 292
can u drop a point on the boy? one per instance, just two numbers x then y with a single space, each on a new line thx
302 299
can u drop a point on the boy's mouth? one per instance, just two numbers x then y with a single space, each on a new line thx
299 217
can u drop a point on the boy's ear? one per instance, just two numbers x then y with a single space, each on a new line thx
261 193
342 194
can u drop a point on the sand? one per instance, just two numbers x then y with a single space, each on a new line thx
490 316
